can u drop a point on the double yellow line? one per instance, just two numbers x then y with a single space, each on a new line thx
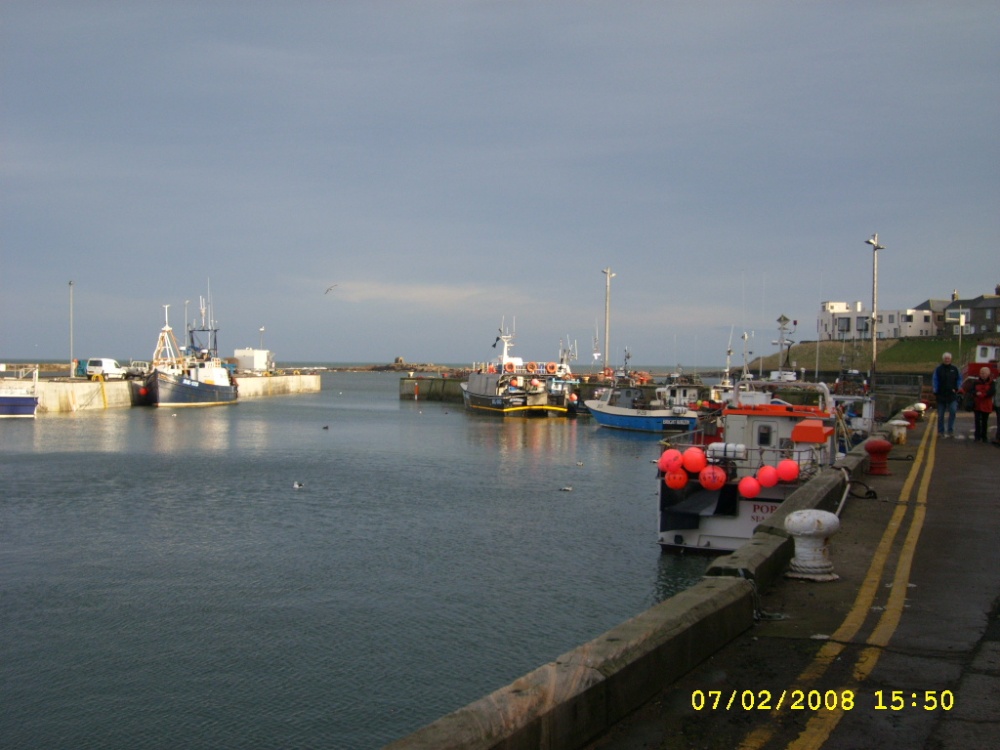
821 725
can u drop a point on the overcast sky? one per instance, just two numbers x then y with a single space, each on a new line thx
449 165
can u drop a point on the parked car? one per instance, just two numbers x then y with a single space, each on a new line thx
137 369
104 367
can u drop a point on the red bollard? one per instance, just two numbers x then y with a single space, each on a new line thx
910 416
878 453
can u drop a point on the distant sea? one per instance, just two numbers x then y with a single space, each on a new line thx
164 585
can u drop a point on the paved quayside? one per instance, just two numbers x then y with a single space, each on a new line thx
903 651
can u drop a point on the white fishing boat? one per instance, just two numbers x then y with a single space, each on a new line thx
19 392
509 386
774 437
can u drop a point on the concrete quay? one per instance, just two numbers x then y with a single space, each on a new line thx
591 691
64 395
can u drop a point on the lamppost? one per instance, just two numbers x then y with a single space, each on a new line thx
873 241
262 337
607 314
72 370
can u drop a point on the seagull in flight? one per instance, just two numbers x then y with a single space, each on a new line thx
329 288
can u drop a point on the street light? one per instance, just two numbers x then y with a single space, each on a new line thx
607 314
72 370
873 241
262 337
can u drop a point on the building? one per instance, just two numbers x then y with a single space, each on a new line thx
839 321
842 321
977 315
254 360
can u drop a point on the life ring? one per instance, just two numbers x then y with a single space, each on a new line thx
550 368
608 372
508 367
531 367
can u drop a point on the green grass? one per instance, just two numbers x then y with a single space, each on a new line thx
894 355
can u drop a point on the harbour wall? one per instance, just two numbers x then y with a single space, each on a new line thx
55 396
431 389
567 703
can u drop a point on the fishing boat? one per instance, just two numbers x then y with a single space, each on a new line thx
19 394
775 436
509 386
678 405
682 403
189 376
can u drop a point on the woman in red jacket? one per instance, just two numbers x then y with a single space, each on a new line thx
983 390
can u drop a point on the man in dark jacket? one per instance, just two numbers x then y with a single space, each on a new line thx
947 388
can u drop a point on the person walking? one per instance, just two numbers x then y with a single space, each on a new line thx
983 390
947 381
996 409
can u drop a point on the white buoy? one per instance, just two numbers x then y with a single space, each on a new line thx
811 531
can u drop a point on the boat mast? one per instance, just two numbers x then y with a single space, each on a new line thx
167 353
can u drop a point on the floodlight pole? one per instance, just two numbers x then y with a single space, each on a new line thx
607 314
72 370
873 241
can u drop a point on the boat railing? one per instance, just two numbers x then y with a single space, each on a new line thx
20 371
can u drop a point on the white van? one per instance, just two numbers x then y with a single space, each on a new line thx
109 369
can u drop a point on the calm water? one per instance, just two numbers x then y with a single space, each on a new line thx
163 585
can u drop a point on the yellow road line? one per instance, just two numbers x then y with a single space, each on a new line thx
819 728
852 623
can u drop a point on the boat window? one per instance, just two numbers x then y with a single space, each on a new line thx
764 434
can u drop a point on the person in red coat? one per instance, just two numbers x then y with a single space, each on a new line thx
983 390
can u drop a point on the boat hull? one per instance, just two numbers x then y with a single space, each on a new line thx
712 521
167 389
511 406
640 420
18 407
507 395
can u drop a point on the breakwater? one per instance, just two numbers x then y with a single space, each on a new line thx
65 395
570 701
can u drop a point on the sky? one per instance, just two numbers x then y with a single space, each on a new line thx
458 167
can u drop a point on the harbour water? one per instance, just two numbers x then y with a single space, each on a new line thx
164 585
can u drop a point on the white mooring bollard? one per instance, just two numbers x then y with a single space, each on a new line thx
811 530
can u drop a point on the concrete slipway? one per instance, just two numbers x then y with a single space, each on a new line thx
902 651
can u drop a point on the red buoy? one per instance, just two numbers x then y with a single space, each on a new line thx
670 460
749 487
767 476
694 459
676 480
712 477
